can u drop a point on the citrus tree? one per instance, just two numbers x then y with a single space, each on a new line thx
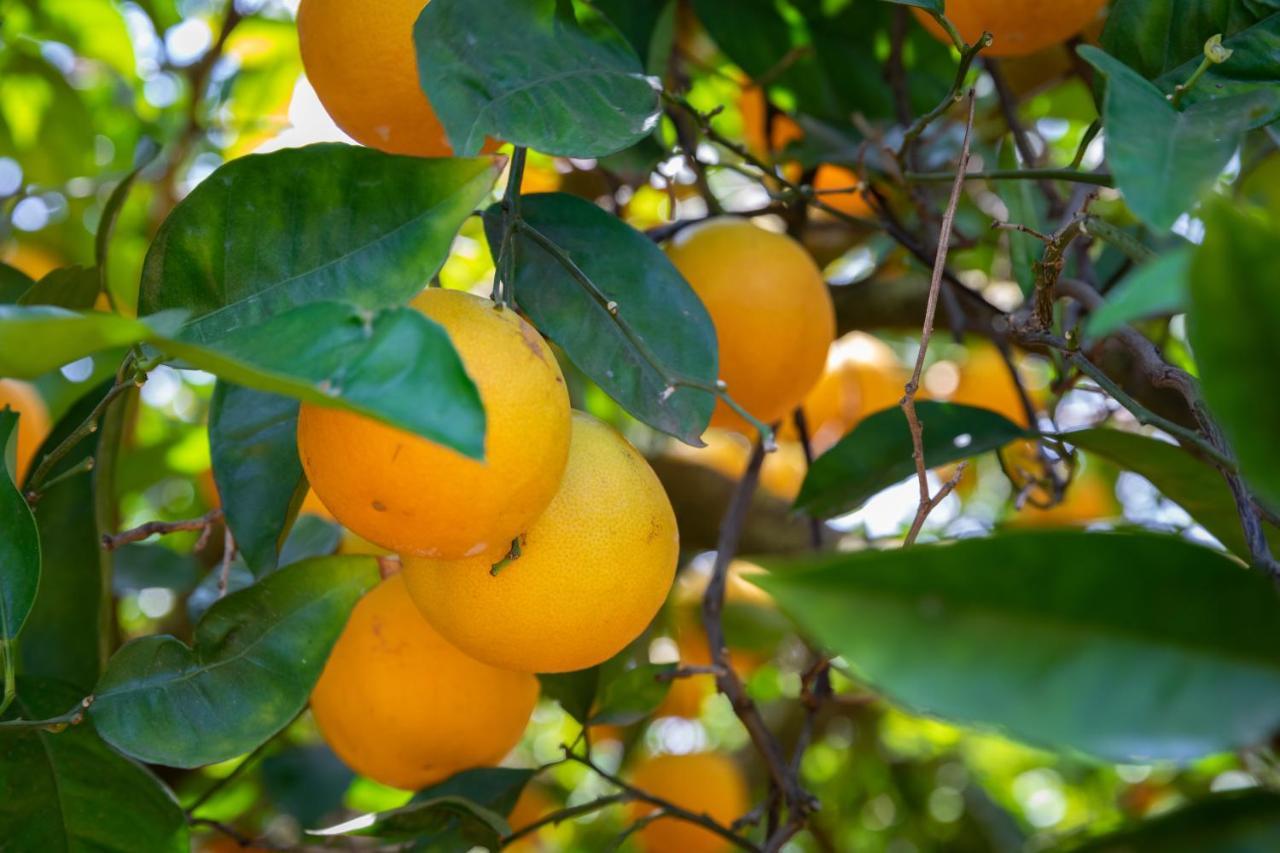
667 425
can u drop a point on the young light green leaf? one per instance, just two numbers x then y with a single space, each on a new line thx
878 453
257 654
269 232
537 73
43 338
70 791
1155 288
253 444
667 333
1128 646
1020 199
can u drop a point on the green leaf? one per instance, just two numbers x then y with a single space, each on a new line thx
74 288
268 232
19 548
307 782
1235 311
310 536
632 695
1155 37
68 633
43 338
1156 288
70 791
575 691
257 654
253 442
928 5
145 154
13 283
536 73
878 453
1183 479
1161 182
1021 200
137 567
664 316
648 26
1128 646
1252 66
1233 822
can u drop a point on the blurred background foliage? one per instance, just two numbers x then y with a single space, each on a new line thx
85 85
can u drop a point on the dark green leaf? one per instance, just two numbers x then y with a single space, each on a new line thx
533 73
1161 182
19 544
575 691
1124 645
74 288
268 232
13 283
1157 287
1156 36
138 567
930 5
1235 311
70 791
1194 485
666 317
257 654
632 695
307 782
310 536
878 453
647 25
1233 822
1252 66
253 443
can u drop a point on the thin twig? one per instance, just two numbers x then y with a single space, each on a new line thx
151 528
929 502
36 482
568 813
228 554
1100 179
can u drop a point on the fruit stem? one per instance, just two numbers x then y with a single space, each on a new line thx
512 555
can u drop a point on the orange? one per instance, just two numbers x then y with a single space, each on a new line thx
400 705
594 568
838 188
728 452
773 315
753 105
703 783
1017 27
409 494
1088 498
33 421
32 260
985 381
360 58
534 804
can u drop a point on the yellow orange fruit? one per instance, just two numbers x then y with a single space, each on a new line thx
594 568
772 312
402 706
1088 498
986 382
411 495
728 452
35 262
1017 27
33 421
534 804
703 783
360 58
838 187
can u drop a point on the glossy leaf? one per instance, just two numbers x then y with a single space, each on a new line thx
1194 485
878 453
254 448
536 73
1156 288
307 782
1252 66
1161 182
257 654
1245 821
13 283
43 338
70 791
1235 311
269 232
648 26
668 320
1154 37
73 288
137 567
575 691
632 695
1128 646
19 545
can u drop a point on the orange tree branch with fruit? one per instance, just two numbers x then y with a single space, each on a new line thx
379 452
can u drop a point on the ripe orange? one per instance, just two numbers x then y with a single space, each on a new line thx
36 262
985 381
400 705
1088 498
728 452
411 495
773 315
837 186
33 421
534 804
594 568
704 783
1017 27
360 58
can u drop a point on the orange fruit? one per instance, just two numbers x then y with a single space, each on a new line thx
985 381
402 706
728 452
704 783
33 422
1088 498
534 804
1017 27
412 495
773 315
753 105
32 260
360 58
837 187
594 568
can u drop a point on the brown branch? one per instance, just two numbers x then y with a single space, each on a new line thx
908 403
151 528
559 816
